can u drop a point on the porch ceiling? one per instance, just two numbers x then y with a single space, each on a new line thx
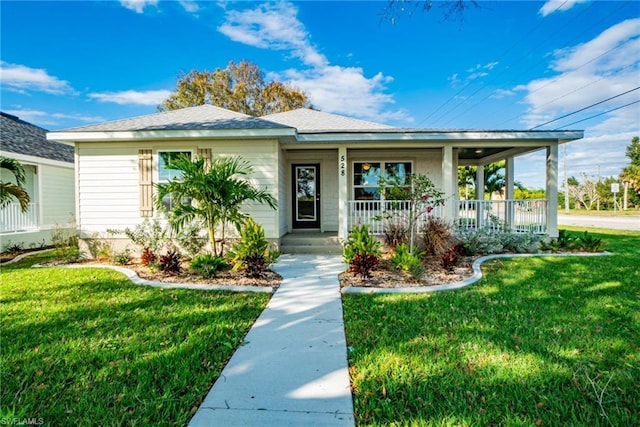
477 153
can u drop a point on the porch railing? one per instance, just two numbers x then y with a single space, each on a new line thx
512 215
528 216
13 220
379 214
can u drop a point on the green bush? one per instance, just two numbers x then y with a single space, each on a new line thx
189 238
361 251
589 243
252 253
491 241
404 260
147 234
122 258
207 265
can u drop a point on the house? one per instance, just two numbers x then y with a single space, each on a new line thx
49 173
322 168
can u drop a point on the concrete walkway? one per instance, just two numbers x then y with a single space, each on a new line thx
292 370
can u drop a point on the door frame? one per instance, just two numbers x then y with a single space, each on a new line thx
305 224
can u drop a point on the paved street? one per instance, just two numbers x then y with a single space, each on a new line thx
618 222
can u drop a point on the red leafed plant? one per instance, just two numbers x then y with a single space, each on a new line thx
148 257
452 256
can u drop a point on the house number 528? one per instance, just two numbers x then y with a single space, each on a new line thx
343 166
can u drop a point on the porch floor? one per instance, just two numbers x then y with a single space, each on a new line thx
311 242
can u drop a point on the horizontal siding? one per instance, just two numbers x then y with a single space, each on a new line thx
57 195
107 187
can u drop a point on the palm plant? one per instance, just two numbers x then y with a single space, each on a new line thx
218 190
10 191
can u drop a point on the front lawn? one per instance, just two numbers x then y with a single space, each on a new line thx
87 347
539 341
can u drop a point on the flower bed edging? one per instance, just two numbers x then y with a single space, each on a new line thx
477 275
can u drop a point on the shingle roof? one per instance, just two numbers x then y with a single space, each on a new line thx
307 120
18 136
203 117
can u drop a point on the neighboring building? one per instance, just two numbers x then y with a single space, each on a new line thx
49 171
322 168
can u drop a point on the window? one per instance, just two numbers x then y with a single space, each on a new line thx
366 177
165 175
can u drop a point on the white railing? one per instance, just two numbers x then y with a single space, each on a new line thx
13 220
380 214
513 215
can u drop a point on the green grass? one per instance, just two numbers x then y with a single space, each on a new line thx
539 341
87 347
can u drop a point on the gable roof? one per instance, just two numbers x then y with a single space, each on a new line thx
18 136
202 117
306 120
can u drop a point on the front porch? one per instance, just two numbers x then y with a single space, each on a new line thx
13 220
527 216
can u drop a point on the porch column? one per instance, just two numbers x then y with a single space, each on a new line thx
343 194
552 190
479 196
448 187
509 194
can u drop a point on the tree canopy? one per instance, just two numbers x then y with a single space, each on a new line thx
238 87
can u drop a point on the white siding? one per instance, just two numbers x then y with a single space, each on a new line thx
107 187
57 195
108 180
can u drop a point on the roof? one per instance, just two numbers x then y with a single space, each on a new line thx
18 136
203 117
306 120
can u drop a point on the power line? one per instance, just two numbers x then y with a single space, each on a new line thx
500 57
600 114
586 108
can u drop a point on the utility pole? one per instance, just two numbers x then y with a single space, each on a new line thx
566 179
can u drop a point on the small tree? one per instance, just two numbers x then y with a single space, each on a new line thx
10 191
422 194
217 192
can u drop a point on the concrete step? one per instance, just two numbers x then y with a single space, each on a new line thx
311 243
311 250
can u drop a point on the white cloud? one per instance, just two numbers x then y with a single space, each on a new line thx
132 97
44 118
331 88
24 79
586 74
552 6
583 75
190 6
473 73
138 6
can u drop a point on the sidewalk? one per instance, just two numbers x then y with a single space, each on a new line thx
292 369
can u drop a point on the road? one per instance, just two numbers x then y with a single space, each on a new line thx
615 222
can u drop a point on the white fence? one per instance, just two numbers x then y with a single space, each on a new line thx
13 220
513 215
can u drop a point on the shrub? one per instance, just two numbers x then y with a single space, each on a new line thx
589 243
207 265
436 236
564 242
252 253
13 248
65 239
147 234
148 257
190 239
395 233
404 260
170 263
451 258
519 242
361 251
122 258
481 242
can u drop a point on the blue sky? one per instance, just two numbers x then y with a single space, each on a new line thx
506 65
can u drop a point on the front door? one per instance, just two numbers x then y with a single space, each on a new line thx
306 195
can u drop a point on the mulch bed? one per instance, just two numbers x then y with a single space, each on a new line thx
384 276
